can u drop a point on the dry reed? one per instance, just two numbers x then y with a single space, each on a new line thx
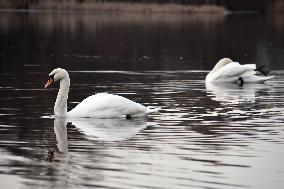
91 5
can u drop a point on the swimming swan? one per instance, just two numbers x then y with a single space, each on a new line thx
100 105
228 71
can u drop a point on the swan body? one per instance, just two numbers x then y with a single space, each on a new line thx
104 105
101 105
228 71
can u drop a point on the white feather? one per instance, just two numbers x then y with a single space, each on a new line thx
228 71
101 105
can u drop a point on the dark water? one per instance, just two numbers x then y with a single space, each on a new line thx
217 136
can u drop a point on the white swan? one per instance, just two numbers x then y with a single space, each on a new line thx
100 105
228 71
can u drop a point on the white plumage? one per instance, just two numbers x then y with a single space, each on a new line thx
104 105
228 71
101 105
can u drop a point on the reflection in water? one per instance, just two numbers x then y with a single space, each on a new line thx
197 141
136 41
61 134
68 166
109 41
109 129
247 105
232 93
98 129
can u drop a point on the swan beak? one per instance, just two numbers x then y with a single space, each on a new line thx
49 82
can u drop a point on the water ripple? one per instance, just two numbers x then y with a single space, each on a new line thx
217 136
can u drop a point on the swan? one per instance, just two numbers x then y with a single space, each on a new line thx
100 105
228 71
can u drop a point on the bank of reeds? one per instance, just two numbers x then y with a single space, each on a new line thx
114 6
277 7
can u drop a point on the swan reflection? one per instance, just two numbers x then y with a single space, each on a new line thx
98 129
233 93
109 129
61 134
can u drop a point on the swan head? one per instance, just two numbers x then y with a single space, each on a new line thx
56 75
221 63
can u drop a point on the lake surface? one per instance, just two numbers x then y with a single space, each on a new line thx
215 136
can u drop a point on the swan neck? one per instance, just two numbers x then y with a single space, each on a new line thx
60 107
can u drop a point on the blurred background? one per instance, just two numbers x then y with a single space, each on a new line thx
140 35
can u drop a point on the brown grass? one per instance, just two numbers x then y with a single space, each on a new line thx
277 7
91 5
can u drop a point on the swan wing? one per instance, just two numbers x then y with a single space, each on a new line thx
232 72
257 78
103 105
246 72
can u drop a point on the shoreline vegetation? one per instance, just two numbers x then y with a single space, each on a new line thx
147 6
98 6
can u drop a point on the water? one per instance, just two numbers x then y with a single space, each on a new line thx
217 136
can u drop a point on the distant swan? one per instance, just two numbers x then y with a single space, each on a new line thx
228 71
100 105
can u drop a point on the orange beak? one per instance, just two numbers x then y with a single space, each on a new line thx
49 82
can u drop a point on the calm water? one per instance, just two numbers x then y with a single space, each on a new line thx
217 136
